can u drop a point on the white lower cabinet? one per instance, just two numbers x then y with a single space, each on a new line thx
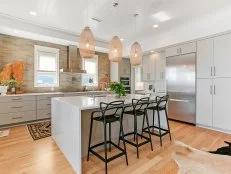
221 104
204 102
17 117
213 103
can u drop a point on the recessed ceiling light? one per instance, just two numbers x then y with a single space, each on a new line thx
121 39
155 26
33 13
161 16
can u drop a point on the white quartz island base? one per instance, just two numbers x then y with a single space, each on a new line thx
71 125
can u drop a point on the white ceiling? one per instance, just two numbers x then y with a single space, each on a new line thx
71 15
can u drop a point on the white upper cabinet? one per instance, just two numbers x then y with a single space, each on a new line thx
160 66
181 49
148 67
204 102
205 58
222 56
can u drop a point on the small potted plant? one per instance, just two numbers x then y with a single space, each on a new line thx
118 88
4 86
13 85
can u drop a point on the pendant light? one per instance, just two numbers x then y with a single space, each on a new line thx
115 49
136 51
115 46
87 42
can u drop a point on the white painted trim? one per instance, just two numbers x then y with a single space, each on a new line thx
97 70
38 48
214 128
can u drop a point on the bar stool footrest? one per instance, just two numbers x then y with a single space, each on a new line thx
156 134
134 144
109 159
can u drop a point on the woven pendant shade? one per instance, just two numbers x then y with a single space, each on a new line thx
115 49
87 44
136 54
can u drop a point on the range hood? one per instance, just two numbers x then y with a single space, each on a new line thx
74 62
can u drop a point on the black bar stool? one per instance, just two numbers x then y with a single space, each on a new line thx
160 104
138 109
109 113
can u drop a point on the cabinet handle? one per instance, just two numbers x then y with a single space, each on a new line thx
48 104
214 71
14 118
48 113
211 89
16 98
214 89
15 107
211 71
48 97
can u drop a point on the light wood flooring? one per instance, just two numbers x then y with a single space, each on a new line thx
19 154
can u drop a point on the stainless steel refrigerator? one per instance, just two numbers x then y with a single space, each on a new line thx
181 87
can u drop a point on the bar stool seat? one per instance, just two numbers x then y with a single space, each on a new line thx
108 118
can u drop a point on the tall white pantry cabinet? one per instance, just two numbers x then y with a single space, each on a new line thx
214 83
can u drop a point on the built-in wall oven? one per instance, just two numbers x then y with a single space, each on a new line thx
126 82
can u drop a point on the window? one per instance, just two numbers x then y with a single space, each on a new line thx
139 85
91 77
46 67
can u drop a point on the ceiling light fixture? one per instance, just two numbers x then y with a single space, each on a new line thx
33 13
155 26
115 49
87 42
161 16
121 39
136 51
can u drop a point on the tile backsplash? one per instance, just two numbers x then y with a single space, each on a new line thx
15 48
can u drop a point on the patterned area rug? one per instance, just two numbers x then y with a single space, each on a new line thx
40 130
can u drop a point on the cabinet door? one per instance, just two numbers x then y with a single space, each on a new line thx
221 103
145 68
152 67
204 102
172 51
188 48
205 58
222 56
160 67
127 67
181 49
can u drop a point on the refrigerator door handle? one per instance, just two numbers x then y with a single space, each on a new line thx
214 71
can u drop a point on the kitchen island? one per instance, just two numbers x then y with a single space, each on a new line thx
71 124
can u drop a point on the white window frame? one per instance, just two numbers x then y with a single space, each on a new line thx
97 70
38 49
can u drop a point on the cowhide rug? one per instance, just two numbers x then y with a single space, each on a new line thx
193 161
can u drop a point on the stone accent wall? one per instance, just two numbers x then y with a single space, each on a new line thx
15 48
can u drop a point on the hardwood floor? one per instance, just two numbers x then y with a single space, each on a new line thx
19 154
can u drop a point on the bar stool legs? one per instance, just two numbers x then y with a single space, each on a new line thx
89 143
161 132
105 146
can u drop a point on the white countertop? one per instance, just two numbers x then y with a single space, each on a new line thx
51 93
85 102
